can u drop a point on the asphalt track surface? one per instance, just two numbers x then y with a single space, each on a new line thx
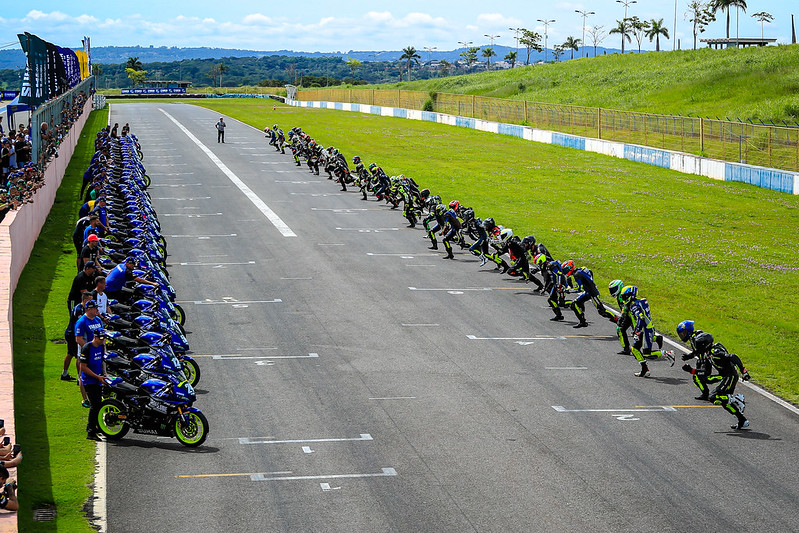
367 385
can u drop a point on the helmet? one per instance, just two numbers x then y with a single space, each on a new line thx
454 204
441 209
401 177
356 160
685 329
615 287
424 193
311 144
540 259
489 224
703 342
568 267
528 242
629 293
506 234
372 166
274 126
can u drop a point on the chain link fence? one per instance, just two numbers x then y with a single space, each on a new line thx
767 146
59 114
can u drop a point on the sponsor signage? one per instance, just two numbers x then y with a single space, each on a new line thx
158 90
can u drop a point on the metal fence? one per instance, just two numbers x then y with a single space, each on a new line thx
59 114
768 146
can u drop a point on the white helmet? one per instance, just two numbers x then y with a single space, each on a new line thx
505 234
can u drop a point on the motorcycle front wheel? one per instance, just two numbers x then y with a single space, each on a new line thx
112 427
194 432
191 370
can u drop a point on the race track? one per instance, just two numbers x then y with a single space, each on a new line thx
354 381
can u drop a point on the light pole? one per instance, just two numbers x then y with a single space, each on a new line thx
430 49
466 45
546 24
674 33
584 14
626 4
491 37
517 30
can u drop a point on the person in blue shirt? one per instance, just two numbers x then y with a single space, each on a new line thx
92 375
556 286
584 282
121 274
88 324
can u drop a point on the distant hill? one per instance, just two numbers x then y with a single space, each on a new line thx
15 59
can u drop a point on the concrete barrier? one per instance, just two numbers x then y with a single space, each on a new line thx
767 178
18 233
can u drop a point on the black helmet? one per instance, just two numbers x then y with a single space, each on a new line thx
703 342
489 224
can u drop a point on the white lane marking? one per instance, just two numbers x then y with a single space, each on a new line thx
295 279
404 256
331 244
170 173
543 338
214 255
760 390
201 236
197 263
386 472
625 417
307 449
191 215
566 368
244 357
326 487
420 325
395 398
101 488
174 185
207 302
449 290
268 440
343 210
276 221
182 199
662 408
368 230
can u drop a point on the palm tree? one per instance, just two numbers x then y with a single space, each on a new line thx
763 17
470 56
512 58
623 28
725 5
557 51
488 53
656 29
134 63
573 45
409 54
222 69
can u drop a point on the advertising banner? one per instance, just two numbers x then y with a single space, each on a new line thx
158 90
34 84
71 66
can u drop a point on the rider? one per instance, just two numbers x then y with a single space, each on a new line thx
623 321
92 376
700 349
643 331
363 176
584 279
451 225
729 365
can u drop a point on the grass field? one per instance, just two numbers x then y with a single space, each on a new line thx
51 424
723 254
748 83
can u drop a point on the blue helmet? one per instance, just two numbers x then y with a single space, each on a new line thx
629 293
685 330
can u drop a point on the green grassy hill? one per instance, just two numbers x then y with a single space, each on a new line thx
753 83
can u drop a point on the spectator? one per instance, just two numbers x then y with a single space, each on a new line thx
8 496
83 282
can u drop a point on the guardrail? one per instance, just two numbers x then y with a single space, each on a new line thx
739 142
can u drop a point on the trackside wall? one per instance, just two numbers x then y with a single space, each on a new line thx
767 178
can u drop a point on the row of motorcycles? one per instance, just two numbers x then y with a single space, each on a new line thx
152 386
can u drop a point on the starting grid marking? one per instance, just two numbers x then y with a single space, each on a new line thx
237 357
368 230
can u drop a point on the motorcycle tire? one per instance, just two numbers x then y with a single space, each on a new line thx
140 154
191 370
195 432
117 430
147 180
181 318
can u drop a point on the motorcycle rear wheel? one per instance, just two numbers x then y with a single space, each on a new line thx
195 432
116 429
181 318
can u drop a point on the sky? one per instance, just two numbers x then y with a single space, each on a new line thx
335 26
